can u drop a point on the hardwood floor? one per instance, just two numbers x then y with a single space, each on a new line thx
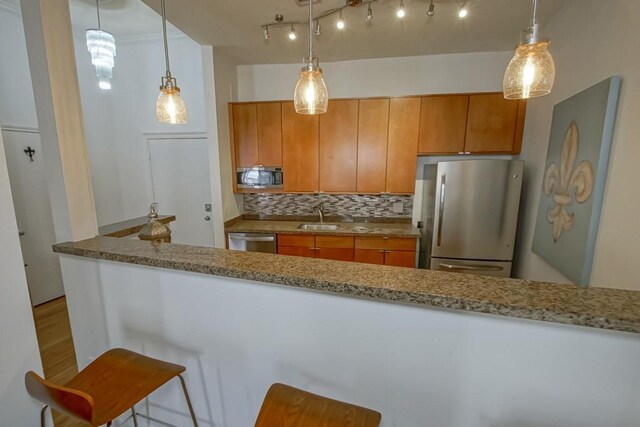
56 348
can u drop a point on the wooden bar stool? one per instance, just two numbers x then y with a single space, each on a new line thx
111 385
291 407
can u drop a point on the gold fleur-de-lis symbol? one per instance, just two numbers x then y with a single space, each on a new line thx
566 182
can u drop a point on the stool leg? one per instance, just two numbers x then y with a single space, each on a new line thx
186 395
135 418
42 415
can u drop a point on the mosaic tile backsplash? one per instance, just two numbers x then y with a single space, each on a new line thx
356 205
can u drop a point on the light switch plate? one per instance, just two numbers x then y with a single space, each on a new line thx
398 207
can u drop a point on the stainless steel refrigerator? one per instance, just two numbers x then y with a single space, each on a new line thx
470 215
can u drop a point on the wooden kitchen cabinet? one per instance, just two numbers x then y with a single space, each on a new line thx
402 148
373 131
443 124
325 247
269 123
299 150
338 142
494 124
395 251
245 134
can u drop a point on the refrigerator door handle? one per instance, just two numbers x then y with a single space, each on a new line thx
443 182
470 267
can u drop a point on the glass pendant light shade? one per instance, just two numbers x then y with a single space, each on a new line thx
170 107
102 47
311 95
530 73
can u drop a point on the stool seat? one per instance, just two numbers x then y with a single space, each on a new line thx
107 387
286 406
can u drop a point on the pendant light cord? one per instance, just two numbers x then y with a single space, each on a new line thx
534 11
310 30
98 10
164 34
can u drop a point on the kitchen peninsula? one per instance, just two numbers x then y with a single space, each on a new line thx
377 334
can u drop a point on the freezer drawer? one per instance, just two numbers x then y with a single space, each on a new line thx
252 242
486 268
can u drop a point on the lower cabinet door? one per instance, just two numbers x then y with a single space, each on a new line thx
369 256
400 258
296 251
339 254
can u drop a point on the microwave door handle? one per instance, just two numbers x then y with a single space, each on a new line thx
470 267
443 182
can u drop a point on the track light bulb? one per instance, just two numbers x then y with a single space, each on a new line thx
340 22
463 11
292 33
401 12
369 16
318 30
266 33
432 9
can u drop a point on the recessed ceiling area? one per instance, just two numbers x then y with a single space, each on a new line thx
492 25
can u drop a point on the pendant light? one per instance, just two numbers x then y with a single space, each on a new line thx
170 107
310 95
102 47
531 71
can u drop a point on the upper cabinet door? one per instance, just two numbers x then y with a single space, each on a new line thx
402 151
245 134
299 150
443 124
339 146
492 124
373 131
269 116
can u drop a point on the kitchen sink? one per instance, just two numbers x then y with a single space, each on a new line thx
319 227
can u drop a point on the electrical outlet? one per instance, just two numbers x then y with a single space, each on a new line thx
398 207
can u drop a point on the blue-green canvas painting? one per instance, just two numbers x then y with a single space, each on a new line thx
574 179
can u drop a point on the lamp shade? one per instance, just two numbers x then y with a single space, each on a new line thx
530 73
311 95
170 107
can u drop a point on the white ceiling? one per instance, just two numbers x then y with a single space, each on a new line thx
235 26
492 25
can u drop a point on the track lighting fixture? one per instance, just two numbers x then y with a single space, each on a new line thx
463 11
400 13
369 16
266 33
318 30
531 72
339 22
292 33
432 9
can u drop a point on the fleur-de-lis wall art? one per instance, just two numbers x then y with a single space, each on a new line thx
567 182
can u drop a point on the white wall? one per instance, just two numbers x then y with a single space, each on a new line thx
19 347
454 73
591 41
115 120
418 366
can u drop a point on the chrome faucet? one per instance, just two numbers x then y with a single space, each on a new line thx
320 209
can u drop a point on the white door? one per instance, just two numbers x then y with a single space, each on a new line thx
33 214
180 179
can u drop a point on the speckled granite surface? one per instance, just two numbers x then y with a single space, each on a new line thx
346 228
593 307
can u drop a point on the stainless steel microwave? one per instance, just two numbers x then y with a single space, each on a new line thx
259 177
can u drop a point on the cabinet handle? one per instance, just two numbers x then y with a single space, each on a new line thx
385 238
381 251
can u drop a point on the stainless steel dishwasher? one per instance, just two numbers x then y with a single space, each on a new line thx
253 242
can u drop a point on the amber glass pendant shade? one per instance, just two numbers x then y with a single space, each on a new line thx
170 107
530 73
311 95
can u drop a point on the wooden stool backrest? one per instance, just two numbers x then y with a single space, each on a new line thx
288 406
66 400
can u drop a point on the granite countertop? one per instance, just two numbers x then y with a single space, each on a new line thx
345 229
130 226
602 308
